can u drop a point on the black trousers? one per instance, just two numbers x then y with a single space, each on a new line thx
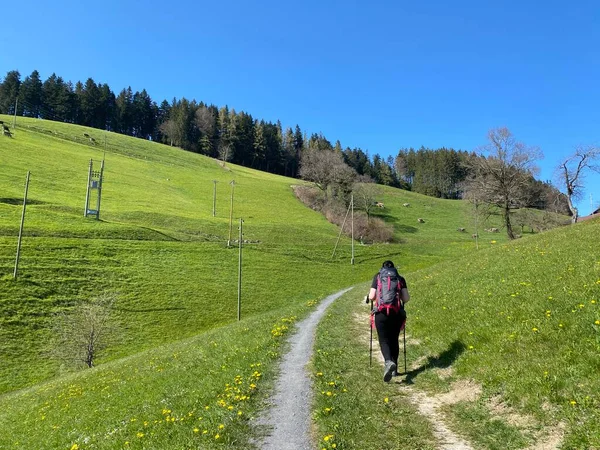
388 331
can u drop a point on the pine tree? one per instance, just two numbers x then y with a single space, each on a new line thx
9 91
30 95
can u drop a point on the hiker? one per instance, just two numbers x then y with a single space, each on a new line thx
389 294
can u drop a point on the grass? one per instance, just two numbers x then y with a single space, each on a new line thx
158 248
162 254
196 393
522 320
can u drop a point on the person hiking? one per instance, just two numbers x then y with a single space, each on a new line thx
389 293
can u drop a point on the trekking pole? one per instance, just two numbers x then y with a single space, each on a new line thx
404 348
371 339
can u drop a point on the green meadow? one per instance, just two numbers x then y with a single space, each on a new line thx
519 318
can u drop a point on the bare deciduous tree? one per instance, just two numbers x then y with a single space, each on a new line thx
225 153
501 174
205 121
84 333
326 169
366 193
169 129
570 174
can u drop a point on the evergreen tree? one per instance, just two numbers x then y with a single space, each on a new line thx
123 121
9 91
259 145
30 95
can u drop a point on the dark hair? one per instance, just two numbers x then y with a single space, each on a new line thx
388 264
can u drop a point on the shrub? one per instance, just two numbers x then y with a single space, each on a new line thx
366 230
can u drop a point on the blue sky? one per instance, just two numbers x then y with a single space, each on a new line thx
377 75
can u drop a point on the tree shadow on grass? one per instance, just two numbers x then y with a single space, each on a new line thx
444 360
19 201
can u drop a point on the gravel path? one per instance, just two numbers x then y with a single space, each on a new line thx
288 418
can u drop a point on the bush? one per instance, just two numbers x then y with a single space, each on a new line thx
334 210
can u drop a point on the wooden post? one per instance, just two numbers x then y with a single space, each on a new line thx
352 227
215 198
239 312
230 214
100 189
15 274
87 192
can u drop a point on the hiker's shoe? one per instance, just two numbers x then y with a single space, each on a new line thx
390 368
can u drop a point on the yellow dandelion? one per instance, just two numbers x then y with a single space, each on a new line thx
573 402
319 374
75 447
239 413
471 347
329 394
217 436
597 322
334 445
328 437
140 434
386 400
534 329
196 430
221 426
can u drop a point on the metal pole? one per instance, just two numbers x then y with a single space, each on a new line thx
405 348
352 227
21 227
15 117
87 192
371 319
239 312
230 214
100 189
215 198
339 235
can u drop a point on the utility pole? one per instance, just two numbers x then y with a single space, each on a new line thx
239 312
21 227
15 116
231 213
352 228
215 198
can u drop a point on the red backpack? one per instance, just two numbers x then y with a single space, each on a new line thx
389 285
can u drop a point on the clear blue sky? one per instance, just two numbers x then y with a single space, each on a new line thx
375 75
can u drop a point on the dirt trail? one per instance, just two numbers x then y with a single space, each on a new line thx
288 418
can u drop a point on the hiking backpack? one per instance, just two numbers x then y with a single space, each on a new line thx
389 286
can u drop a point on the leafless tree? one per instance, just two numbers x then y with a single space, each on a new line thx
84 333
571 172
502 171
225 153
205 121
326 169
169 129
366 193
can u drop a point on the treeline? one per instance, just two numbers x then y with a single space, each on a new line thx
237 137
443 173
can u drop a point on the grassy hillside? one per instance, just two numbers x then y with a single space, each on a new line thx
520 322
159 250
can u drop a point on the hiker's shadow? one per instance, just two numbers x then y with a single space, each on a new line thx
444 360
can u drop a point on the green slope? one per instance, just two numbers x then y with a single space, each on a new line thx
521 320
160 251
